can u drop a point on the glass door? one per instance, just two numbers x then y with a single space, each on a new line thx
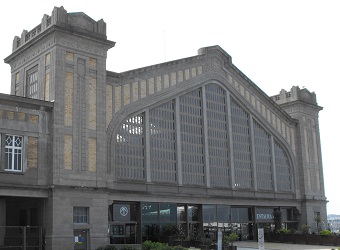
117 234
131 233
123 233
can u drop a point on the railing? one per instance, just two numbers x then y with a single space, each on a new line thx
23 238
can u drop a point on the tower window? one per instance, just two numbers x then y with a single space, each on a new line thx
32 83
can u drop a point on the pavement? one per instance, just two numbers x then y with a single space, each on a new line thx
252 245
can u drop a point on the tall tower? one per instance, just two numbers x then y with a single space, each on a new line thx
301 104
63 60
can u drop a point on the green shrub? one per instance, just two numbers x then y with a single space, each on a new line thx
284 231
304 229
229 239
150 245
108 247
178 248
325 233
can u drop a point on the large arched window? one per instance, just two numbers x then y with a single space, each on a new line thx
187 141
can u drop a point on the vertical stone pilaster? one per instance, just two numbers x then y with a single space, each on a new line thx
109 106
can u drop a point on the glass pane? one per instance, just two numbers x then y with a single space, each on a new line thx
209 213
163 143
240 214
129 149
242 146
181 213
9 140
150 212
218 136
192 138
243 214
223 213
168 213
263 158
32 83
283 169
134 211
193 213
80 215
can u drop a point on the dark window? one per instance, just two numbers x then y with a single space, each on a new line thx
32 83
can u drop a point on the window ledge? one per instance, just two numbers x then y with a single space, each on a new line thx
2 171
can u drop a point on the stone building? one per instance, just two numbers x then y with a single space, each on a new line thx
92 157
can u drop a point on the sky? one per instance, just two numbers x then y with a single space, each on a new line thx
276 43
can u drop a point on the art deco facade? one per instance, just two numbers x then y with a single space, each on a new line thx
93 157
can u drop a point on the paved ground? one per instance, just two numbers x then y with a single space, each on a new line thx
250 245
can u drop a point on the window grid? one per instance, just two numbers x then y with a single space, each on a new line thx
283 169
163 143
129 150
192 138
32 83
263 158
80 215
130 145
218 136
13 153
242 146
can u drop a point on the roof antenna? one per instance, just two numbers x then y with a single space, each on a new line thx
164 33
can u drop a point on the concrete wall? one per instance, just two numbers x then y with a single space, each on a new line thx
61 212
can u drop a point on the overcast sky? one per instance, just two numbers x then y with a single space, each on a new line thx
277 44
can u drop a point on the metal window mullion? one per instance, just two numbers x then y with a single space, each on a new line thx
178 142
205 137
273 162
10 153
252 145
24 148
147 146
231 146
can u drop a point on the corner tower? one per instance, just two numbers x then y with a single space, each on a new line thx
63 60
301 104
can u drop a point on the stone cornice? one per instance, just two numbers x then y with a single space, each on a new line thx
25 102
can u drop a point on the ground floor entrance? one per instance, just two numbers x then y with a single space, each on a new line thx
80 239
133 223
21 220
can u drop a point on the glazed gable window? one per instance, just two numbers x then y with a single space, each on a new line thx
32 83
13 153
